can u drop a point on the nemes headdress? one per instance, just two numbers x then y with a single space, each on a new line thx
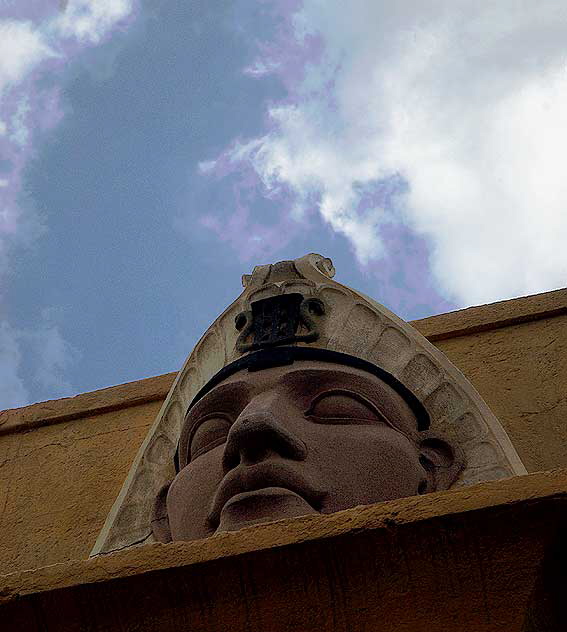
294 310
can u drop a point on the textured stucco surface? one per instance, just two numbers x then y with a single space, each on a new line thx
58 482
61 468
521 372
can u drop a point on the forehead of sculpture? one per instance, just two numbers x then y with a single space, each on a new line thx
298 386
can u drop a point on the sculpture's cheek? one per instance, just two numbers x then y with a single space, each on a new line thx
190 496
368 465
354 464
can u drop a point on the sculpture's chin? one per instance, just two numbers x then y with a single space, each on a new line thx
262 505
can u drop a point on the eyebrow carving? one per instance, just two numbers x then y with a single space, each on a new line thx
217 397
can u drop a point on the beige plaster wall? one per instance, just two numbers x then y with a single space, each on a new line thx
62 463
521 372
58 482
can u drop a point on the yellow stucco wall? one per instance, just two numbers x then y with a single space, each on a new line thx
58 482
62 463
521 372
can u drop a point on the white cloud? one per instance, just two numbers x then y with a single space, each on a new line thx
48 352
91 20
54 356
22 48
32 56
19 130
259 68
206 166
13 393
466 101
32 60
24 45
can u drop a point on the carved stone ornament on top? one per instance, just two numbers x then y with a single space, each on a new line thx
292 305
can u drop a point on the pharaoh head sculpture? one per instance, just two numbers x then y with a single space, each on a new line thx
304 396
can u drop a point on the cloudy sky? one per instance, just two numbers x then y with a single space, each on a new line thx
152 151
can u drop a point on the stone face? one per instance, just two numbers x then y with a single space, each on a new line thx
307 438
520 370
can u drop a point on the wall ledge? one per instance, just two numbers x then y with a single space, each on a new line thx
501 494
472 320
86 404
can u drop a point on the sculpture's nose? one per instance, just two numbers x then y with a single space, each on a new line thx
257 434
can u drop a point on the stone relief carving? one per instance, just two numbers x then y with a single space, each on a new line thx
269 452
311 431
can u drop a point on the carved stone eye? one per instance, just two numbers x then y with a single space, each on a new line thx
343 406
209 433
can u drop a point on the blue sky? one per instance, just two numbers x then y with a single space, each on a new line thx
152 152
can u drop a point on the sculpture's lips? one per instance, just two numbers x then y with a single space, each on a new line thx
248 478
264 492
